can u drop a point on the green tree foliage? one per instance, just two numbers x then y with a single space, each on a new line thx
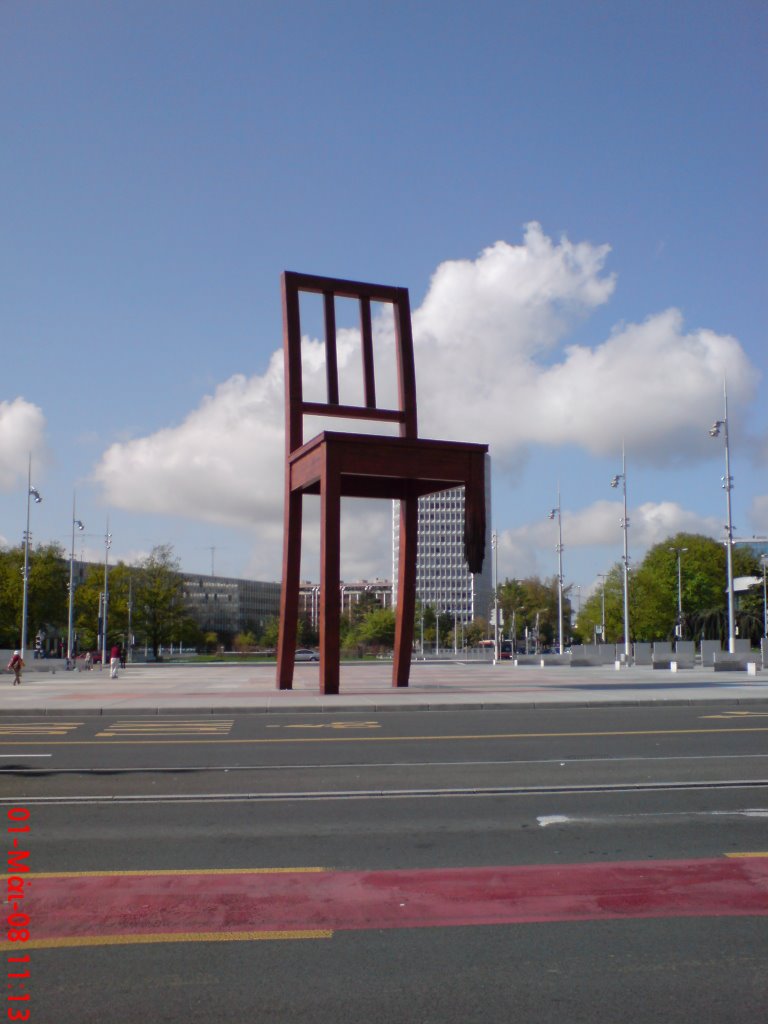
121 584
47 596
270 632
306 636
653 594
11 583
245 642
377 629
611 590
475 631
159 610
530 604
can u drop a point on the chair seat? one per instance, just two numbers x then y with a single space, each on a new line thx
373 466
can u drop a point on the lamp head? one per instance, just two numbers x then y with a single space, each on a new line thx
552 514
34 493
79 524
714 430
615 481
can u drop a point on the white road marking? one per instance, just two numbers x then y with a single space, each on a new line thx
567 819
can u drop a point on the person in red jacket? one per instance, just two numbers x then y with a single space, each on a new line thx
15 665
114 661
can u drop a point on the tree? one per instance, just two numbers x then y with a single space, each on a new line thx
245 642
591 614
121 582
475 631
532 604
703 579
160 611
46 591
11 584
377 629
270 632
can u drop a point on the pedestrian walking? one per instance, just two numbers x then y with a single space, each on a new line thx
88 661
114 661
15 665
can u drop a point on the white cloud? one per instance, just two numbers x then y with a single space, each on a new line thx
528 550
491 367
223 464
22 429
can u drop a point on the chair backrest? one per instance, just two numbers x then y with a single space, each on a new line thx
296 408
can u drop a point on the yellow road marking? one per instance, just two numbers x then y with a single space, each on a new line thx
33 732
172 727
402 739
37 728
757 854
329 725
155 937
161 723
151 873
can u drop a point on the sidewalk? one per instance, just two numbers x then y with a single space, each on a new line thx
215 688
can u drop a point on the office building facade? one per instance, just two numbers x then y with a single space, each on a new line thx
443 580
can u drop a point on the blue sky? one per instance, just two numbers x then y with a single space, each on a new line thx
573 192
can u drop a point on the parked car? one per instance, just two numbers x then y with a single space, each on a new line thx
304 654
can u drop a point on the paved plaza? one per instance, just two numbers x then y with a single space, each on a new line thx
168 688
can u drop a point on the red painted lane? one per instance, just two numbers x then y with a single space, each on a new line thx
62 907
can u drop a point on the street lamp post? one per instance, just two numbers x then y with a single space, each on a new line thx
764 559
679 628
32 492
75 523
603 576
714 431
556 512
625 527
495 546
107 546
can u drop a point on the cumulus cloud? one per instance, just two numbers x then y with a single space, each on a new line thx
492 365
598 525
223 464
22 428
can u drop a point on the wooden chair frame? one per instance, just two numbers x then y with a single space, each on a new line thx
339 464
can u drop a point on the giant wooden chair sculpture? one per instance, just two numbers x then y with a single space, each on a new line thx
336 465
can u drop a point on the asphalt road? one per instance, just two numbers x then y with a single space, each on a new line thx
524 865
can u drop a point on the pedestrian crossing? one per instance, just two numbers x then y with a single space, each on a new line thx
164 728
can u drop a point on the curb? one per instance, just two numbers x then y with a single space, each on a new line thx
315 709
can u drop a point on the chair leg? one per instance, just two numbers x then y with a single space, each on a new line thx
289 594
406 591
330 557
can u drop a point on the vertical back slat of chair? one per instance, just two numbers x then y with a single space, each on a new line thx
366 334
296 408
406 371
294 417
331 363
